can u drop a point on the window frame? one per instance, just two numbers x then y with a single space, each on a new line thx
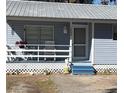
41 26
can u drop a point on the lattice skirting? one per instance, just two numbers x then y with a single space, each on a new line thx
106 67
51 67
34 67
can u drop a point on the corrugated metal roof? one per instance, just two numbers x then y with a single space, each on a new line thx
60 10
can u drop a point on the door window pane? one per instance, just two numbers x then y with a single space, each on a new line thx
79 51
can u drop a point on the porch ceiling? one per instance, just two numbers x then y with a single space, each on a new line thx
38 9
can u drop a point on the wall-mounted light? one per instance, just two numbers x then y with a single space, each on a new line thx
65 30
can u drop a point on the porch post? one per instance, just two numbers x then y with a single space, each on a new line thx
92 47
70 48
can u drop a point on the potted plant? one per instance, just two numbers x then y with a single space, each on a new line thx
21 44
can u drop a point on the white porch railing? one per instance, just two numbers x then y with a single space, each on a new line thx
35 52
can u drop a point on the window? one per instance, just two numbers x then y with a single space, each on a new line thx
114 28
46 34
39 34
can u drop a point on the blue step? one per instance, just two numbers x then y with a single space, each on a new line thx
80 72
82 69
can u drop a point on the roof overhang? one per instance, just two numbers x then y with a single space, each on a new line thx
19 18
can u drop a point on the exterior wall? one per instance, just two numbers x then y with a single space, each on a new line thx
105 54
12 37
15 31
105 48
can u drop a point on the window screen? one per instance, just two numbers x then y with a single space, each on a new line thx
39 34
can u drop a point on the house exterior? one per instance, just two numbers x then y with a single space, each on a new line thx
51 32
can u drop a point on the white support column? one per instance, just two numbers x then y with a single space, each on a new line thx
70 48
92 47
70 51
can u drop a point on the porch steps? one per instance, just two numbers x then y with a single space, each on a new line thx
82 69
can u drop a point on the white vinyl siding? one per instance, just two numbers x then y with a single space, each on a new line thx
105 48
39 34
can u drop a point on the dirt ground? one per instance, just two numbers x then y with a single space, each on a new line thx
29 84
62 84
86 83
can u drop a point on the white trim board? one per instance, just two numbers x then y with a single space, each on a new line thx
92 45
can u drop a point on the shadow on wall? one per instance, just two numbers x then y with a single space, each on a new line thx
112 90
103 31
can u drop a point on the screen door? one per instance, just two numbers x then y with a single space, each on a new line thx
80 42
